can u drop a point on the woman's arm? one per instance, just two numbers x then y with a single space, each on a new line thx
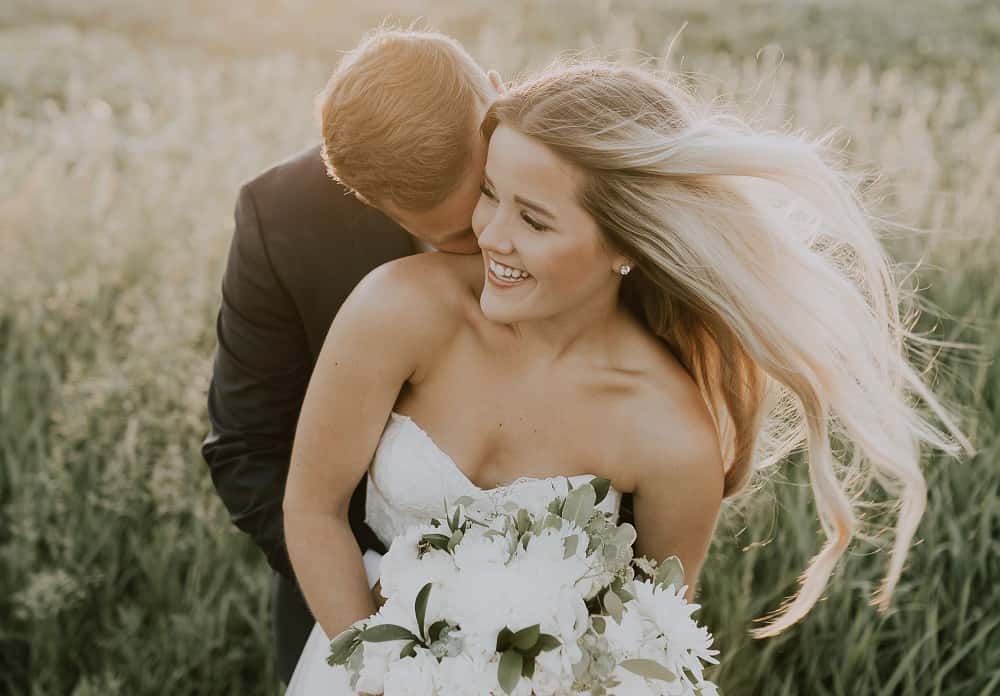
381 335
678 491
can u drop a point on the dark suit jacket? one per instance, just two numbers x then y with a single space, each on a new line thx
300 246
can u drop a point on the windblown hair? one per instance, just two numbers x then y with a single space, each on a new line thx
758 266
398 117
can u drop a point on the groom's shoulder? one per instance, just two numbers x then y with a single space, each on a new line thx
297 193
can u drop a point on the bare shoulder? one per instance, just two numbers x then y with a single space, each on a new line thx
417 302
671 432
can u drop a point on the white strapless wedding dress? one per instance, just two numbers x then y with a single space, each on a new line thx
408 481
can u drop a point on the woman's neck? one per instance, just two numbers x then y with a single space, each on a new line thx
588 331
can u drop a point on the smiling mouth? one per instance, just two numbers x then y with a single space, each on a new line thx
507 275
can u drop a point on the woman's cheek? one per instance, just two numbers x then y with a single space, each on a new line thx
481 216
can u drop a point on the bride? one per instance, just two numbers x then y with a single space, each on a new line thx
652 305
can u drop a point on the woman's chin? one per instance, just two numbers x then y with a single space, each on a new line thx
497 311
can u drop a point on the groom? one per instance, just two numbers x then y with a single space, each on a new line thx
398 173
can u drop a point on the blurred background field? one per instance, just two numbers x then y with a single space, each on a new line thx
125 131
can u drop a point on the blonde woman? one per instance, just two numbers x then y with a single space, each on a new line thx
664 297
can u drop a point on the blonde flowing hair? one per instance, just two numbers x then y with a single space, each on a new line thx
759 267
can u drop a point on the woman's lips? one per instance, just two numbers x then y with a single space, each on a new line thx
504 283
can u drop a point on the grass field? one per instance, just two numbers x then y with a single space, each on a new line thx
125 130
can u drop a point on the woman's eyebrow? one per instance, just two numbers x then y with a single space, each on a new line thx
537 207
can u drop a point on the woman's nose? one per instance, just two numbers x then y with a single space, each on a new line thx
494 237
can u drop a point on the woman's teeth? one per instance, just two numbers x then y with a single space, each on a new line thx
506 272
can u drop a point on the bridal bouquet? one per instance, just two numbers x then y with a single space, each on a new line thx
545 599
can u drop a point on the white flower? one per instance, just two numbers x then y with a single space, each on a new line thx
669 614
411 676
631 684
465 675
402 574
478 549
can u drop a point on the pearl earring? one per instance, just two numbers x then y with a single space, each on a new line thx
624 269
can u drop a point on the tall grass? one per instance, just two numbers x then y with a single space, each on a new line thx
123 147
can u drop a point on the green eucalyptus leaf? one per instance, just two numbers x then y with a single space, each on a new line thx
624 535
528 668
555 506
599 624
650 669
601 487
454 540
409 650
526 638
420 607
509 671
670 572
570 545
523 521
386 632
613 605
579 505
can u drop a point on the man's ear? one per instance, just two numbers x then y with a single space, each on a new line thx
497 82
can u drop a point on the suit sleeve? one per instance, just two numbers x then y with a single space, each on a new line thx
259 377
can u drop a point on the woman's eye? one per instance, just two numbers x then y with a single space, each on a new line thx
486 192
533 223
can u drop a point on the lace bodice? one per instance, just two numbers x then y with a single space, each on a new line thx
410 478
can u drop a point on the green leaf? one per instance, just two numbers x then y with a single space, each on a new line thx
555 506
454 520
528 668
454 540
650 669
613 605
523 521
464 500
342 646
599 624
601 487
624 535
438 541
386 632
420 607
570 545
552 521
526 638
409 650
434 632
579 504
547 641
504 639
670 572
343 652
509 671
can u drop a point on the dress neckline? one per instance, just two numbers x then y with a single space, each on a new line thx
520 479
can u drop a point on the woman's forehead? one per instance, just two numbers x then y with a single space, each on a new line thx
524 164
